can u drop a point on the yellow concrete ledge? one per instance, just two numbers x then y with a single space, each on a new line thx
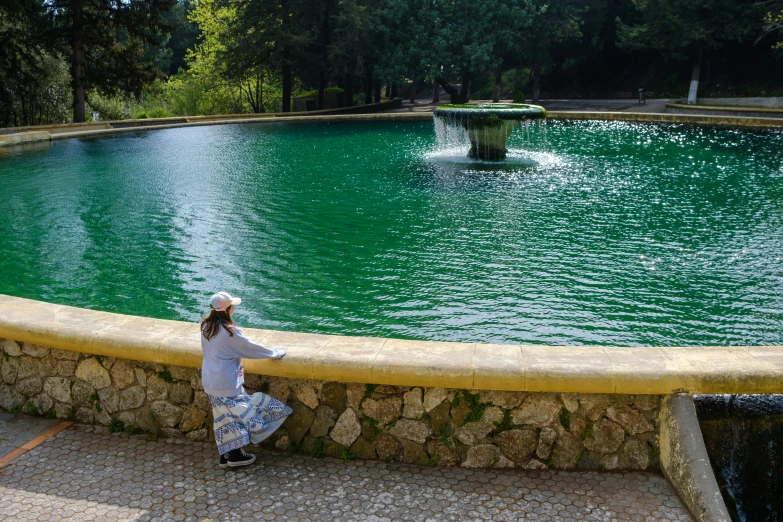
587 369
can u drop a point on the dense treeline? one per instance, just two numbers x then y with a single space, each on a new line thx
64 60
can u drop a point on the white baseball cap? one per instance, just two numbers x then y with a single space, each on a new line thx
222 300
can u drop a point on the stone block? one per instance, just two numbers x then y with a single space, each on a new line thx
182 373
363 449
503 399
180 393
123 375
440 419
504 462
144 419
157 390
66 355
81 392
635 454
34 350
413 407
42 403
201 400
11 348
354 392
333 395
324 419
193 419
518 445
10 370
482 456
132 398
570 401
305 392
110 399
414 453
441 454
298 423
631 420
594 405
415 431
198 435
91 371
384 411
66 368
102 417
167 414
433 397
59 388
141 377
85 415
460 412
538 410
347 429
30 386
387 447
10 398
48 367
606 438
28 367
566 453
546 440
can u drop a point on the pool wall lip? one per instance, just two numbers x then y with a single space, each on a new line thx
66 131
586 369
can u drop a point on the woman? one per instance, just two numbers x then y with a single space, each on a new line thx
240 419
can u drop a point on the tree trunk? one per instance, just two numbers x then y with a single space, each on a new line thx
319 104
496 90
348 90
435 91
450 89
694 90
368 87
413 90
377 91
536 80
464 90
394 90
286 88
388 91
77 45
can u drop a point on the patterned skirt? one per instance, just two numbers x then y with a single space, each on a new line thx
244 419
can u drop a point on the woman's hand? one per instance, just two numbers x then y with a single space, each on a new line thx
279 354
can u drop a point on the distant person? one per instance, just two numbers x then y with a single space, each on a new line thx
239 419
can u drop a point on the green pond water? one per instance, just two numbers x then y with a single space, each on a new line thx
591 233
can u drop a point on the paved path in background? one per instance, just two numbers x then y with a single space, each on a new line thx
85 473
16 430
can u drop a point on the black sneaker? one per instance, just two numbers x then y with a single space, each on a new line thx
236 458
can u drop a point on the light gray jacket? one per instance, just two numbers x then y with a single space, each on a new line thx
221 371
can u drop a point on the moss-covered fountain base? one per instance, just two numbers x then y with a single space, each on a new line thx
488 125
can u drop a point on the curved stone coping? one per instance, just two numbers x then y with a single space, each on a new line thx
503 111
584 369
727 108
79 130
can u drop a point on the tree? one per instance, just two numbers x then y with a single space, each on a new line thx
686 29
773 24
106 42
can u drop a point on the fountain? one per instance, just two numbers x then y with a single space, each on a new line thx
488 125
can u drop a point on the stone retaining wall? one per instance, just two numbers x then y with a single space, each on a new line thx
436 426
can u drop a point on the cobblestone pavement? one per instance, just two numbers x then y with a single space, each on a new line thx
16 430
85 473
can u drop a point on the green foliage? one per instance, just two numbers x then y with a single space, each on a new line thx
116 426
16 409
70 413
565 419
369 389
295 447
101 359
109 107
374 430
314 92
654 453
165 375
347 454
476 407
504 425
318 448
426 417
131 429
96 402
588 433
30 408
519 97
433 460
445 434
